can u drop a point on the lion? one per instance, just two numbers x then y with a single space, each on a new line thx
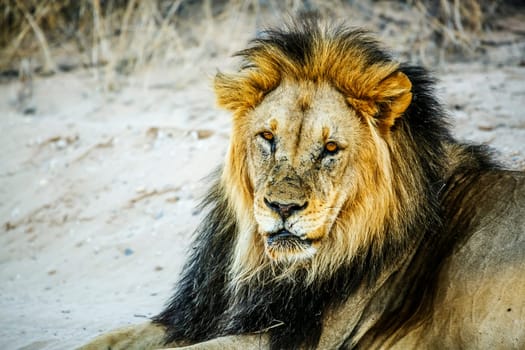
346 216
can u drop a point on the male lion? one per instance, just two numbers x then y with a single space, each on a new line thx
346 216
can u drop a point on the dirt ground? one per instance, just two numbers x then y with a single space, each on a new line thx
98 189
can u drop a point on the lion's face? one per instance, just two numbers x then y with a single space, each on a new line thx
317 170
302 143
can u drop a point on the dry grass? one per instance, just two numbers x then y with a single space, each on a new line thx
120 36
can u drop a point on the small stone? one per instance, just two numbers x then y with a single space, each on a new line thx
486 127
29 110
128 251
204 134
61 144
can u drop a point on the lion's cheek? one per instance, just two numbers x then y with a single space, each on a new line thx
316 236
316 223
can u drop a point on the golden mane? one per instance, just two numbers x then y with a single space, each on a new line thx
345 59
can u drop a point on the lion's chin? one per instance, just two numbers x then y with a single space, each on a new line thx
284 246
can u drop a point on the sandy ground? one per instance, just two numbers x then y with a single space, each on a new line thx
98 190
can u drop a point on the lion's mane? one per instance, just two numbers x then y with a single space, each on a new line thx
229 286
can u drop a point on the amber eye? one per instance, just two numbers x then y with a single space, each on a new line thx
268 136
331 147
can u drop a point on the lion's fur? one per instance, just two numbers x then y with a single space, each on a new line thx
405 204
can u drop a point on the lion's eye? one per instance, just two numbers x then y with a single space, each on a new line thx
331 147
268 136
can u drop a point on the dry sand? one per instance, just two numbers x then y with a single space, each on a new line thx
98 190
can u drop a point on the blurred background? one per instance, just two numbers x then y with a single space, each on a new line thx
109 128
126 35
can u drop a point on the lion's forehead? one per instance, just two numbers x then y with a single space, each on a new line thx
304 116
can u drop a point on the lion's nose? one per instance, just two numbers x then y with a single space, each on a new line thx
285 209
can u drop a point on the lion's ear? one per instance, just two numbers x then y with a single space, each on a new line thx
227 92
393 96
238 92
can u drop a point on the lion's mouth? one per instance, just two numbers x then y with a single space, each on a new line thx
285 246
285 237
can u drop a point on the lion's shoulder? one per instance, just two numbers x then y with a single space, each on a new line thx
480 286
